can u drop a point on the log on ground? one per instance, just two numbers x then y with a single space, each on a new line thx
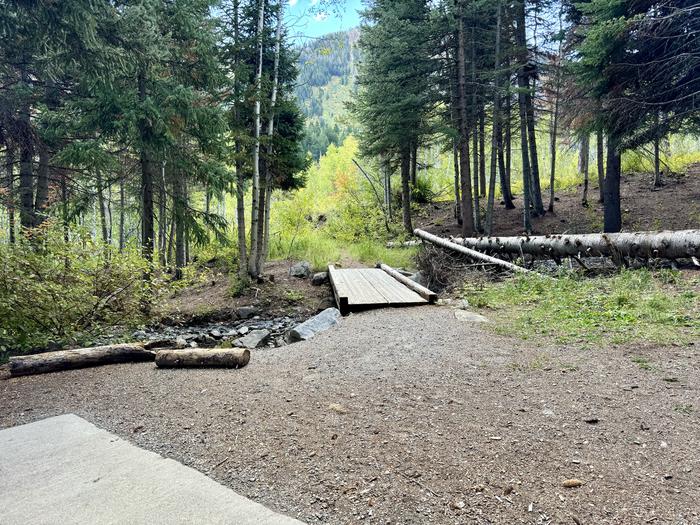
78 358
664 244
203 358
474 254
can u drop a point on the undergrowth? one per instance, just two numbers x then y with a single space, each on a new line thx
634 306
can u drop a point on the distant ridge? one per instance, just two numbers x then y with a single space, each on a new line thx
327 72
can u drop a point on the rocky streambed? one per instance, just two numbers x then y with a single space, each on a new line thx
252 329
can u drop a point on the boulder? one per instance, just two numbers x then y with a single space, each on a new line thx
253 339
419 278
470 317
319 279
301 269
317 324
246 312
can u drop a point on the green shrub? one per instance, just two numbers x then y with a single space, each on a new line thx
53 292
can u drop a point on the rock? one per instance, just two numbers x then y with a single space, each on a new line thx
326 302
159 343
319 279
243 330
317 324
206 341
461 304
572 483
470 317
419 278
337 407
139 334
253 339
246 312
301 269
216 334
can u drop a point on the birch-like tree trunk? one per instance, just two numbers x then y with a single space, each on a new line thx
255 208
266 188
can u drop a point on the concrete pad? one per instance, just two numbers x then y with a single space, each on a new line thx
66 470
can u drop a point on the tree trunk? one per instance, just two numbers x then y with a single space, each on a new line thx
508 141
9 185
555 118
178 217
496 123
665 244
79 358
612 221
482 151
657 162
266 186
203 358
42 186
122 214
521 42
600 153
240 175
455 161
475 136
255 208
101 206
414 164
584 153
162 219
406 188
534 161
147 232
464 168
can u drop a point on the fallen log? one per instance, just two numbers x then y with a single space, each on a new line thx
424 292
78 358
664 244
203 358
444 243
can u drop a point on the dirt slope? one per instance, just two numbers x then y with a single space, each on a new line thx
674 206
411 416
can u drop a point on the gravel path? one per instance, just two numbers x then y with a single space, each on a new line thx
411 416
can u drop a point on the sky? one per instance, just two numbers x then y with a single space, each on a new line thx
314 18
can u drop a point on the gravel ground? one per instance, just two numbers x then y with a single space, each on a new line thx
412 416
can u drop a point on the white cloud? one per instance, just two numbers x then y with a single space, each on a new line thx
313 2
292 3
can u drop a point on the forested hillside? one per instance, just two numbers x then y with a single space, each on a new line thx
327 71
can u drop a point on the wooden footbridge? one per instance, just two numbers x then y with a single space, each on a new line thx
364 288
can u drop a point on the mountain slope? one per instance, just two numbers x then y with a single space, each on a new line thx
327 71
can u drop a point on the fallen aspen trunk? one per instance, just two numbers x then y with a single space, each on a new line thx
666 244
424 292
444 243
199 357
78 358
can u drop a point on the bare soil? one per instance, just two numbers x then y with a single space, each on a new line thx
674 206
412 416
214 299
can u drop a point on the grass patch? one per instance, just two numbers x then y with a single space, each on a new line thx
632 306
372 252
